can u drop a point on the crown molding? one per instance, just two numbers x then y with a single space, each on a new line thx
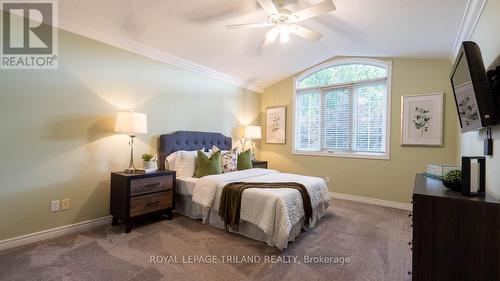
156 54
471 17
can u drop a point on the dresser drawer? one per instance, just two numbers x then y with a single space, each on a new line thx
148 185
149 203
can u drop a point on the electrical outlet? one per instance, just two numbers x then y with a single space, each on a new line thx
54 205
327 179
64 204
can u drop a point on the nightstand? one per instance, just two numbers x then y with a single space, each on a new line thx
259 164
135 196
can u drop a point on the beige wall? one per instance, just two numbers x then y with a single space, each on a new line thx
56 125
486 36
383 179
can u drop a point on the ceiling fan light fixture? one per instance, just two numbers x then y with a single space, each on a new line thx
272 34
284 22
284 34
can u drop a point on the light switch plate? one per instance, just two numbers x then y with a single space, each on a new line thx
54 205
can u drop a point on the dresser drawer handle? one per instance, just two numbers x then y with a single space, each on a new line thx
152 184
150 204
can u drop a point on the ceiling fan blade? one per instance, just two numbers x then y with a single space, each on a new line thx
248 25
305 33
271 36
315 10
266 43
269 6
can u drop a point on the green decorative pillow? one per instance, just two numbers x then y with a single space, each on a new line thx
244 160
207 166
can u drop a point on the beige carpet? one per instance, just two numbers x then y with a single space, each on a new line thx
374 238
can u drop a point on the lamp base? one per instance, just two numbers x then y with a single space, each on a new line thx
252 148
131 168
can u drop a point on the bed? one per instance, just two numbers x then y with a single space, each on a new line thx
273 216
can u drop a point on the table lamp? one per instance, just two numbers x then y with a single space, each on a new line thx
252 133
132 124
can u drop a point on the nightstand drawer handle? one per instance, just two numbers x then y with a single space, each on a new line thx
151 187
150 204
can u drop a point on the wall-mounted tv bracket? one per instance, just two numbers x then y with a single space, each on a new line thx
488 142
494 81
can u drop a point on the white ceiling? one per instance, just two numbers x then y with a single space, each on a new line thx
194 30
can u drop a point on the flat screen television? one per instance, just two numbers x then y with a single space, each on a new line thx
471 89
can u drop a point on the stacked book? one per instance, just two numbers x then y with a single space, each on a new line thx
438 171
147 171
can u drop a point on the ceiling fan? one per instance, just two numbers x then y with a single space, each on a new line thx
285 22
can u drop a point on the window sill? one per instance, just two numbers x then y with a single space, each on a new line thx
378 156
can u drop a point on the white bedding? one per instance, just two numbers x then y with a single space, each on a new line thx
274 211
185 185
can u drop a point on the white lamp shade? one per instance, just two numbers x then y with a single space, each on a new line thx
131 123
253 132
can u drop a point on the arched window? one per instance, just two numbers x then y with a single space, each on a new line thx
342 109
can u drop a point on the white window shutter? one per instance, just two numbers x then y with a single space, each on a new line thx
370 106
337 119
308 123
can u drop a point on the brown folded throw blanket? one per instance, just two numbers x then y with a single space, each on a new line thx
230 201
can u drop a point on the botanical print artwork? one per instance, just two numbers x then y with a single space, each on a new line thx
421 119
276 124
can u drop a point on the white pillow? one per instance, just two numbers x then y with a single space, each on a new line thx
186 164
170 161
183 162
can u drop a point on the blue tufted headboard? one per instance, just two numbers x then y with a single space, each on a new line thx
190 140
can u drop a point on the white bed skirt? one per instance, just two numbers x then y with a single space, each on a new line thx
185 206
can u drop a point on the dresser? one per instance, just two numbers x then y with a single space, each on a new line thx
455 237
135 196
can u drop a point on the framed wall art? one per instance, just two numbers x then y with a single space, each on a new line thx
276 124
422 119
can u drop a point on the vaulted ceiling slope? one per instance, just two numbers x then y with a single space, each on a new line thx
193 33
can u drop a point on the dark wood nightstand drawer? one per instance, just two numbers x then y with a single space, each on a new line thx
259 164
149 203
149 185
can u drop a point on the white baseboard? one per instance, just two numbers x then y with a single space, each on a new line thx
86 225
52 233
372 201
